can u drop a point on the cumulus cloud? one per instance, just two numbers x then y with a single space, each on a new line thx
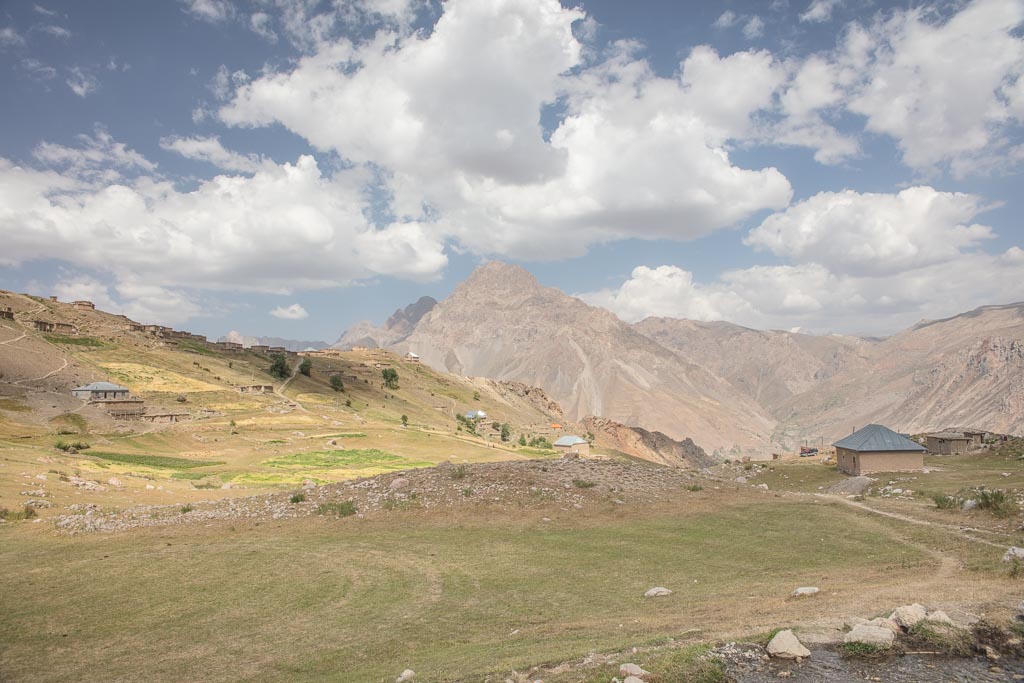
754 28
871 233
726 19
140 302
820 10
293 312
96 158
210 150
260 23
81 81
283 228
633 155
213 11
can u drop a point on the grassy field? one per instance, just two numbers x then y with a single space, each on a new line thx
452 598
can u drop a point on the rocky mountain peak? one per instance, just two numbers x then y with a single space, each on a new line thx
497 276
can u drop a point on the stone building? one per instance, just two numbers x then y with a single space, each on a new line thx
83 305
948 443
101 390
572 445
876 448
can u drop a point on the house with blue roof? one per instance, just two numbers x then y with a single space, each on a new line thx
877 448
573 445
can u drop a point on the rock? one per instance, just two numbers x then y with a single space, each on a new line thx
991 653
740 480
114 481
633 679
150 487
657 592
399 483
406 675
883 622
763 487
969 505
1020 611
633 670
870 635
1014 554
786 646
908 615
852 486
940 617
308 485
805 592
227 485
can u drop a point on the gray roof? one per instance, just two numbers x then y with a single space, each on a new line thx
102 386
569 441
949 435
877 438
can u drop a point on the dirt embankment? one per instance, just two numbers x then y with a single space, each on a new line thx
647 445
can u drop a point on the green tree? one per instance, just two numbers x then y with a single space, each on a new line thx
495 425
306 367
405 420
336 383
476 395
522 439
505 432
278 366
390 376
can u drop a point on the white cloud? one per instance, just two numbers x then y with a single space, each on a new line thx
820 10
81 82
287 227
856 233
213 11
936 87
293 312
260 23
39 9
140 302
36 69
10 38
225 81
97 158
754 28
634 154
726 19
210 150
56 31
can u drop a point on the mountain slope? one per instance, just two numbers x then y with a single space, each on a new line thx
395 329
502 323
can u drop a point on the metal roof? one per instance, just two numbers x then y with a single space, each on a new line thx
877 438
569 441
102 386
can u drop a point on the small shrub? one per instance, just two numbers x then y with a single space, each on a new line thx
459 472
298 498
583 484
748 466
64 431
931 635
186 508
405 420
68 446
338 384
467 492
306 367
694 488
342 509
946 502
862 651
348 403
996 501
27 512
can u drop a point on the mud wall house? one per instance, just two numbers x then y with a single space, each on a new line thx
65 328
947 443
259 348
256 389
43 326
572 445
101 391
7 313
123 409
412 357
83 305
877 448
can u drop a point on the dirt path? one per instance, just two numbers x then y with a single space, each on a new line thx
913 520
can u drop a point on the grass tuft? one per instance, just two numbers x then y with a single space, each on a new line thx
26 512
343 509
583 484
862 651
298 498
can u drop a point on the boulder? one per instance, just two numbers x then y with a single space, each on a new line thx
405 676
308 485
908 615
969 505
399 483
786 646
657 592
940 617
114 481
740 480
805 592
633 670
884 622
1014 554
870 635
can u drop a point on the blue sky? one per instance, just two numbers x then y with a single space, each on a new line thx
289 168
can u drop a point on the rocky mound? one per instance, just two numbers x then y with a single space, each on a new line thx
647 445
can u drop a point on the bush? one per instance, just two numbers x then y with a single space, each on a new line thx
946 502
68 446
506 432
186 508
996 501
343 509
26 512
338 385
459 472
862 651
583 484
306 367
695 487
405 420
298 497
278 366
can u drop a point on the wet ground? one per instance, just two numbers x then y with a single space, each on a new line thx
746 665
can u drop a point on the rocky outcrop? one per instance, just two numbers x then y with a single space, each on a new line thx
646 445
394 330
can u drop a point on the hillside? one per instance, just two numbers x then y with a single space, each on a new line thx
502 323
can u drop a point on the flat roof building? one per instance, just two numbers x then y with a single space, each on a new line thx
948 443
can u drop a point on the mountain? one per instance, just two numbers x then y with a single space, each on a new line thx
395 329
290 344
501 323
731 389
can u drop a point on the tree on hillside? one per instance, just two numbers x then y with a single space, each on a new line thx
306 367
405 420
522 439
390 376
278 366
336 383
505 432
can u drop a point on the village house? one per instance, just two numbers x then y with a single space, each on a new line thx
43 325
572 445
476 415
7 313
948 443
276 349
412 357
256 389
83 305
65 328
876 448
122 408
228 346
259 348
101 390
136 327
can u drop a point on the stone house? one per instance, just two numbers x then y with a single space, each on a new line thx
43 325
7 313
876 448
571 444
65 328
83 305
259 348
100 391
256 389
412 357
948 443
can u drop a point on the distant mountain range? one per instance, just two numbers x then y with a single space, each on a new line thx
290 344
732 389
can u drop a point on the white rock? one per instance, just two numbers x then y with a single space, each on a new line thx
908 615
150 487
399 483
870 635
407 675
633 679
805 591
657 592
786 646
1014 553
633 670
740 480
883 622
940 617
969 505
763 487
114 481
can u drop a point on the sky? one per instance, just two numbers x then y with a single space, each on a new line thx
287 168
